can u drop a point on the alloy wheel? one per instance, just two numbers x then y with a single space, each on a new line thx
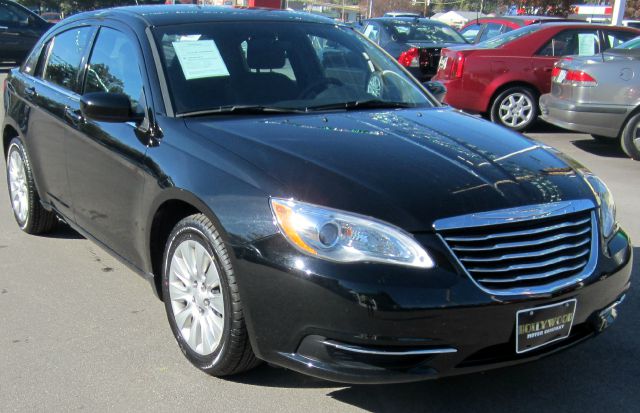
196 297
515 110
18 188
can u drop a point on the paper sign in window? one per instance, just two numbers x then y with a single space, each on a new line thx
586 44
200 59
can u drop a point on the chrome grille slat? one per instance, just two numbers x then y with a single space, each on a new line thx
527 243
534 276
518 233
533 264
527 255
506 255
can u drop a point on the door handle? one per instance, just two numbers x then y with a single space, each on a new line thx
73 116
30 91
548 69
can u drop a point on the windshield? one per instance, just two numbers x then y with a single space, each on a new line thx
631 44
277 66
421 31
505 38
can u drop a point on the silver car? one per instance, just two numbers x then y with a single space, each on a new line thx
599 95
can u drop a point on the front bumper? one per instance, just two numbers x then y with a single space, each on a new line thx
388 324
603 120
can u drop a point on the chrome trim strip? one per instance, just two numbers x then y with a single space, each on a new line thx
527 254
518 244
361 350
530 265
546 288
517 233
539 276
523 213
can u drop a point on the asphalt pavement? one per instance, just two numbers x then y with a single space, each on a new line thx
79 331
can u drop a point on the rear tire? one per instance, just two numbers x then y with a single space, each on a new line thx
630 138
29 213
202 301
515 108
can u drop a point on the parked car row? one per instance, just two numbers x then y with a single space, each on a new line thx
502 78
20 29
599 95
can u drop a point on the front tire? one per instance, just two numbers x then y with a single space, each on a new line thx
202 301
515 108
29 213
630 139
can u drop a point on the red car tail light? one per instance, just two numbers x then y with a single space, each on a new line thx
580 78
555 72
457 66
410 58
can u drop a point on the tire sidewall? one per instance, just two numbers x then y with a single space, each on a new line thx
16 146
193 231
495 106
626 140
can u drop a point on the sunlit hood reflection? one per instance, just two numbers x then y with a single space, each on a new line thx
409 167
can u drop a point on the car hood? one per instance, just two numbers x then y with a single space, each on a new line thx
406 166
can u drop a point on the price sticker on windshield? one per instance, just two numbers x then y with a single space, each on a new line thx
200 59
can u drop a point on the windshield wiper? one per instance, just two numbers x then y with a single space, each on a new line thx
240 109
361 104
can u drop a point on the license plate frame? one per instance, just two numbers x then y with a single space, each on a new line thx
442 64
540 326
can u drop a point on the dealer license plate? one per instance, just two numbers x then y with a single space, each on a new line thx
536 327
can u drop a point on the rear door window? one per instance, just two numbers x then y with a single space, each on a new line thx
471 32
490 31
65 56
582 42
372 32
12 16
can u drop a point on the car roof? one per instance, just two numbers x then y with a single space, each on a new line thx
161 15
405 20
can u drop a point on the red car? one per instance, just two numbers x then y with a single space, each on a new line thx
502 78
485 28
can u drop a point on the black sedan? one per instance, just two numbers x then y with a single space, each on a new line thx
20 29
294 196
415 42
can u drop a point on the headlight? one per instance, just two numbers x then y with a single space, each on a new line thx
343 237
607 206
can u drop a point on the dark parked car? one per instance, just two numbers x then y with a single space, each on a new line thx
294 196
502 78
485 28
20 29
416 43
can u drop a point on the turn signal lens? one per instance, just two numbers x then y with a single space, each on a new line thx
457 66
345 237
410 58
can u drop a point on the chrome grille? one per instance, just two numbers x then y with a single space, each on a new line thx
526 256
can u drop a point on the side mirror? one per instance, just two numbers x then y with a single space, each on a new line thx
107 107
437 89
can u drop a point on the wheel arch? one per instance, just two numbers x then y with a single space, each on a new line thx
8 133
508 85
631 114
170 207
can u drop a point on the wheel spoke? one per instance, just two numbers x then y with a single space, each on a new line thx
182 316
180 269
217 303
193 333
179 294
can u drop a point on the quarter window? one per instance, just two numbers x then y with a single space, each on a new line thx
114 67
65 55
617 38
373 33
490 31
471 32
13 16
